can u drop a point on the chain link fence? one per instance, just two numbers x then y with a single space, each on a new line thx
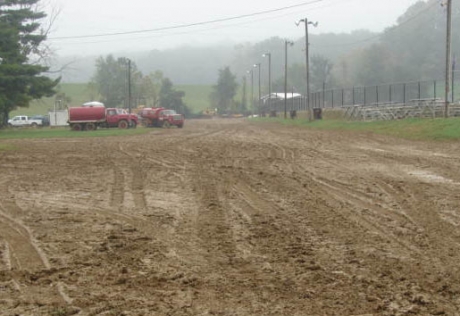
395 93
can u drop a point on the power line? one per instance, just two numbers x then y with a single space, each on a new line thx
214 28
189 25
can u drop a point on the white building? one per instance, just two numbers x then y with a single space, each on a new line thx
278 96
59 118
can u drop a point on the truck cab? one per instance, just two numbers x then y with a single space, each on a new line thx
115 117
161 117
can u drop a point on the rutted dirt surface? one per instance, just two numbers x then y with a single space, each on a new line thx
230 218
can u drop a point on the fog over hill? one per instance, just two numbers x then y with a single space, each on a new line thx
200 65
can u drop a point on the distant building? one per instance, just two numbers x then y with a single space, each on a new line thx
278 96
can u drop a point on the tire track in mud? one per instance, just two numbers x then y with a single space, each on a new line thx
138 187
378 203
134 186
213 227
426 214
22 253
118 188
362 218
254 232
24 250
398 208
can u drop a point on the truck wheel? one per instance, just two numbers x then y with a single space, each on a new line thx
76 127
34 125
90 127
180 126
123 124
166 124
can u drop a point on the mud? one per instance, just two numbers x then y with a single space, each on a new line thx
230 218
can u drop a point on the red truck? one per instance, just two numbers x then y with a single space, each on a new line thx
161 117
90 118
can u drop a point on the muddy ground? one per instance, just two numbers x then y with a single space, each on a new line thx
230 218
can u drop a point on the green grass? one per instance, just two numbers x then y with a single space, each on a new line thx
76 91
415 129
196 98
5 147
22 133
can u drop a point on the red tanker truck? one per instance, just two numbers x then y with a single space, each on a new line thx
161 117
90 118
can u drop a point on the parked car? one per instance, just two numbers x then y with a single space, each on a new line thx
45 119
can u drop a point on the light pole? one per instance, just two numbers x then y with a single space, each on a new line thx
286 44
257 65
128 61
129 86
448 56
269 78
307 59
252 87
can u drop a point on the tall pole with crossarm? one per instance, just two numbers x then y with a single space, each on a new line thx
252 87
448 55
307 63
258 103
269 78
286 44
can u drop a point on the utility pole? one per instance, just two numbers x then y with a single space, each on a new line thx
252 87
129 88
258 103
286 43
454 61
269 78
243 101
307 59
448 55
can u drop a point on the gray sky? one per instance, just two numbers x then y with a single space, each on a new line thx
92 17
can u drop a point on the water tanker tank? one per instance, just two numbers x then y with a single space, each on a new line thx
87 114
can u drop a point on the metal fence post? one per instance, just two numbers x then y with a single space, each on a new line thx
332 98
324 94
343 94
390 93
404 93
365 99
377 94
353 95
419 90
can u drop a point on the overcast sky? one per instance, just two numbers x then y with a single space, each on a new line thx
96 17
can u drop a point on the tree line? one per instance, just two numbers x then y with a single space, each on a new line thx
112 77
411 50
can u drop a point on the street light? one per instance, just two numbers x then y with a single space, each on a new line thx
252 86
307 58
269 78
286 44
257 65
128 61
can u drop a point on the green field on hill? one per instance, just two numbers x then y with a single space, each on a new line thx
196 98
